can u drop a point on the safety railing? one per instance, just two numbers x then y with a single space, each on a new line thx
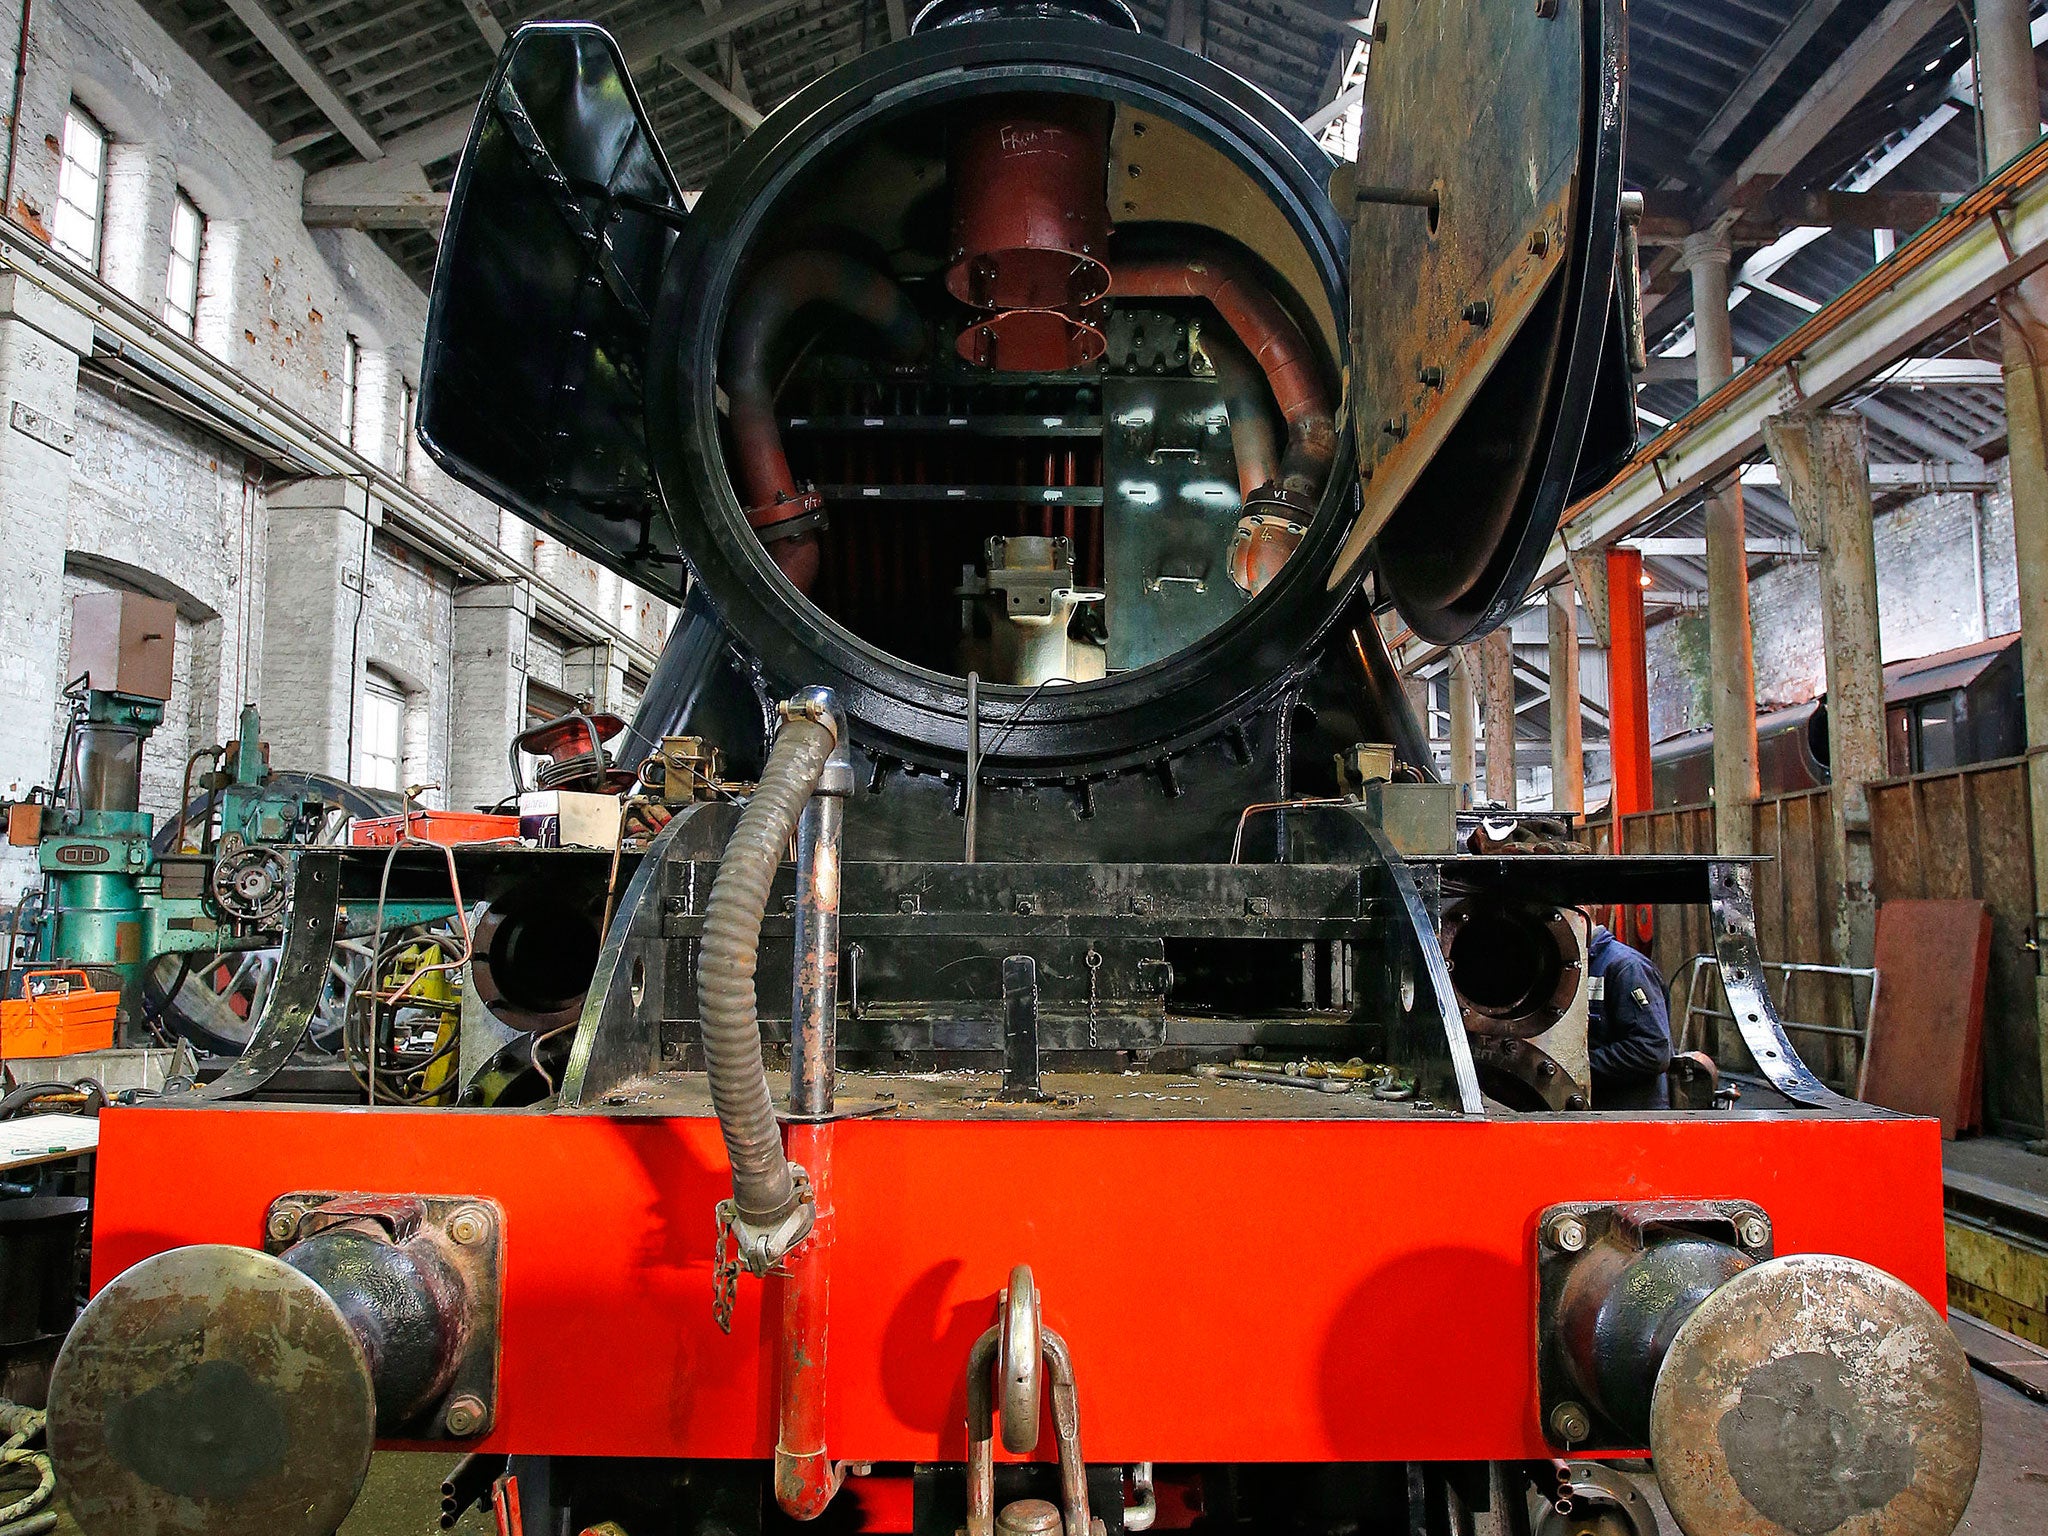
1691 973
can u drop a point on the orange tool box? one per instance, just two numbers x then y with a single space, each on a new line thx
435 827
58 1014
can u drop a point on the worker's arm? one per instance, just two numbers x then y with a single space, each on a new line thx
1638 1028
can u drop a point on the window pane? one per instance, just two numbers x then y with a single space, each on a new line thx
380 734
76 227
181 284
351 362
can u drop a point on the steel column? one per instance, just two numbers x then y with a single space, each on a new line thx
1823 465
1732 667
1497 686
1567 740
1628 687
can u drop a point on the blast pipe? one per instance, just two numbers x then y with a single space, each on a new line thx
779 291
1271 336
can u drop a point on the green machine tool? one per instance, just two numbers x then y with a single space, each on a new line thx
119 894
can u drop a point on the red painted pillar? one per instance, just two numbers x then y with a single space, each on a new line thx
1628 683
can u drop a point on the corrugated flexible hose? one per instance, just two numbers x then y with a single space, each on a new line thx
762 1189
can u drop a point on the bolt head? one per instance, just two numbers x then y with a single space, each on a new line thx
1568 1421
1753 1231
465 1415
1568 1233
284 1221
469 1225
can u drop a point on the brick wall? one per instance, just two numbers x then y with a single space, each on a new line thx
261 569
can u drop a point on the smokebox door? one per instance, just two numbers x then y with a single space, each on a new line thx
1485 212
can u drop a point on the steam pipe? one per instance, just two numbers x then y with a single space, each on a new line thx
1250 406
780 290
815 1002
1268 333
770 1216
806 1478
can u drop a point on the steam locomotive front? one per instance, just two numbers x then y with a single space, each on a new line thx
1030 419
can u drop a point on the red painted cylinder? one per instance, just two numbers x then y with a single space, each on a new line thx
1031 229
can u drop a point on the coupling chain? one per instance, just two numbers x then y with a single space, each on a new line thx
725 1268
1093 960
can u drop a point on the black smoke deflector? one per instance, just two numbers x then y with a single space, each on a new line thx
559 224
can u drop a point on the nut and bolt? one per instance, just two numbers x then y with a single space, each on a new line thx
284 1221
1479 312
1568 1422
1568 1234
469 1226
465 1415
1753 1231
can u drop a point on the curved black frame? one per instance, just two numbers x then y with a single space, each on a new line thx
906 711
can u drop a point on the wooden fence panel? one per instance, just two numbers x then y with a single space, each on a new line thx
1968 834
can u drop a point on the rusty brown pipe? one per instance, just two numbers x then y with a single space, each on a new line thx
806 1477
1268 333
1250 404
780 290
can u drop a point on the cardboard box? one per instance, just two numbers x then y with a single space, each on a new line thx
567 818
124 642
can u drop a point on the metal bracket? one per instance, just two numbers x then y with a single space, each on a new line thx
468 1235
295 995
1733 903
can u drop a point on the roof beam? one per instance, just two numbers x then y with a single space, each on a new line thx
486 23
380 210
292 59
732 101
899 21
1666 221
1847 81
1790 44
445 135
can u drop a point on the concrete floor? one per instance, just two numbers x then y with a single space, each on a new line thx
402 1496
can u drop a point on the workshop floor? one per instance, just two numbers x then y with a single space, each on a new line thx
402 1496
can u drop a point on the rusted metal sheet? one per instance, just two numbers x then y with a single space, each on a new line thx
1478 107
1485 219
1926 1052
1968 834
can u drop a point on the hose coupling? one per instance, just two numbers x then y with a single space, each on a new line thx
819 705
761 1245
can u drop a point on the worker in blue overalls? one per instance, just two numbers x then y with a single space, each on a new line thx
1629 1027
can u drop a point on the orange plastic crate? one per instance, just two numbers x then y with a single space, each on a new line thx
58 1014
434 827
